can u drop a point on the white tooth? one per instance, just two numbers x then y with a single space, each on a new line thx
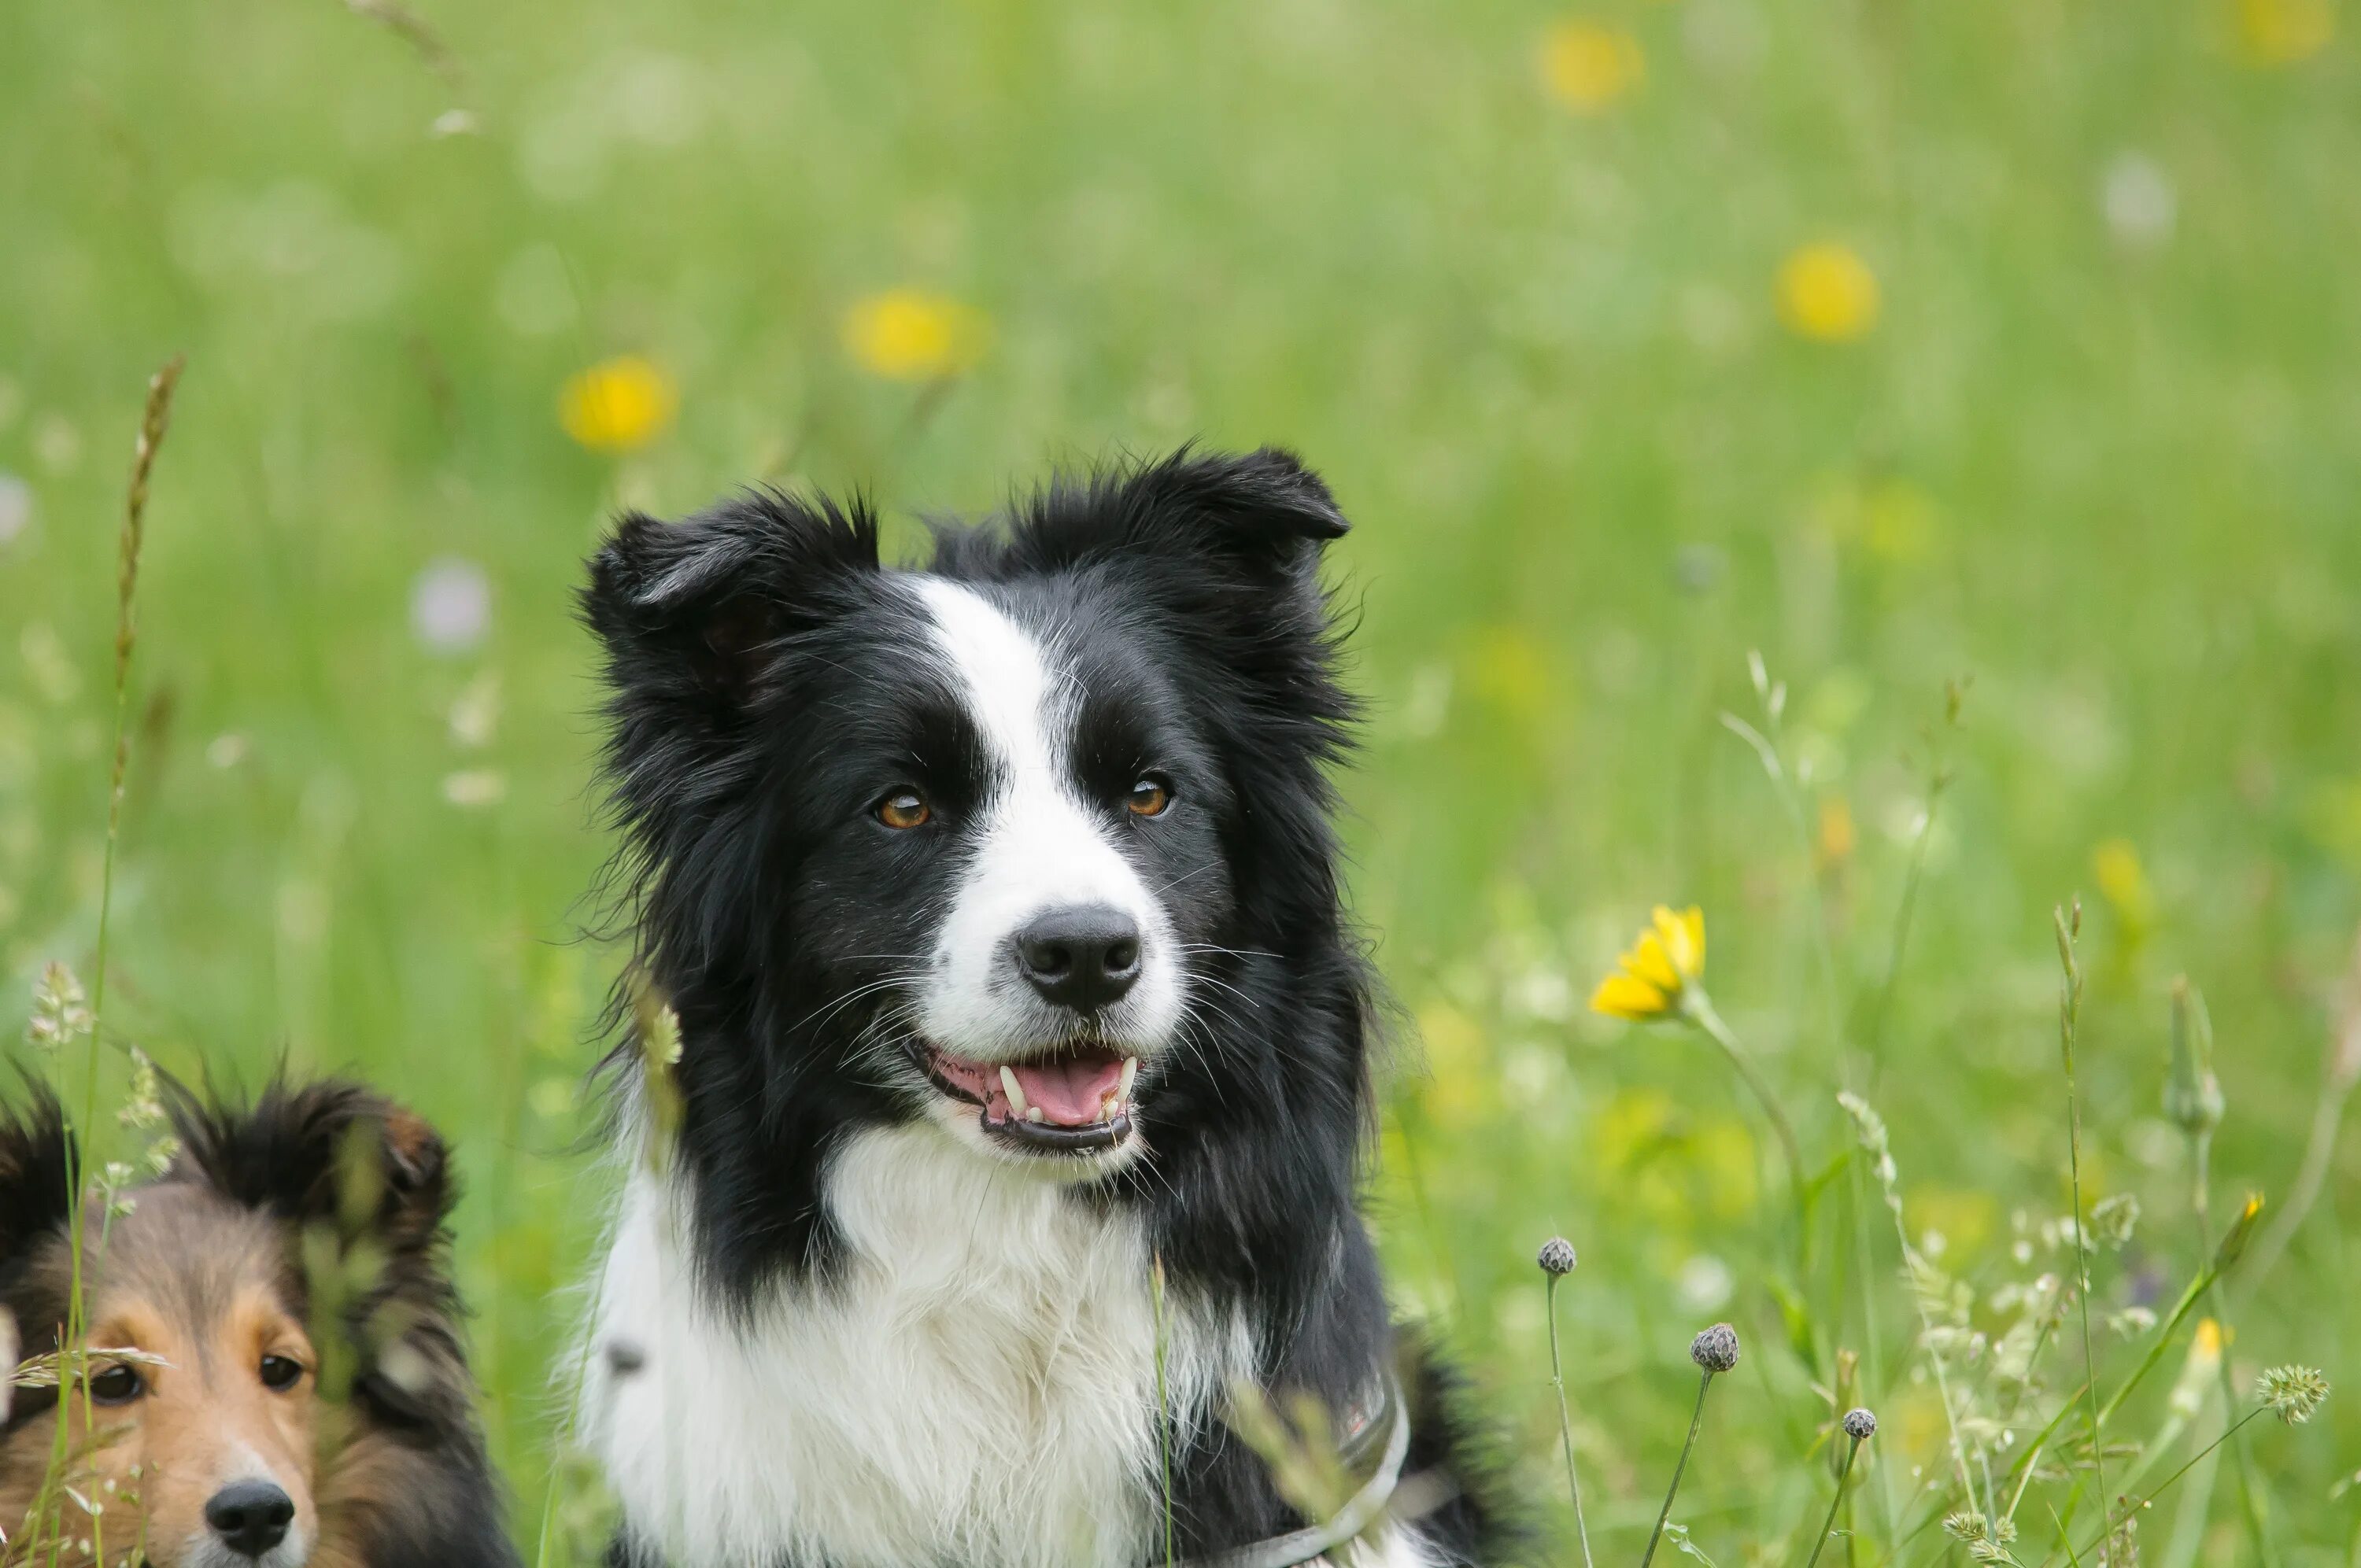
1015 1095
1130 1071
1035 1114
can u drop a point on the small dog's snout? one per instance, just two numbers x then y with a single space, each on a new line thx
1084 957
250 1517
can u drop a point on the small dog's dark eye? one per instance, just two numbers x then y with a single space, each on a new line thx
904 808
280 1373
1151 796
117 1385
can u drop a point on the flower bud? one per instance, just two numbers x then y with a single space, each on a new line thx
1716 1350
2192 1095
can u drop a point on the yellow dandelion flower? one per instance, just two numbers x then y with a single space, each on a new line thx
1652 978
617 405
907 334
1588 66
2283 32
1828 293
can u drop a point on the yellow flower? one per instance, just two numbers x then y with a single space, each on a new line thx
1838 834
2207 1345
1651 978
2200 1373
617 405
2123 882
2281 32
1828 293
904 335
1587 66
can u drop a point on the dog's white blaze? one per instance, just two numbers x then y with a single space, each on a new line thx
978 1386
1039 847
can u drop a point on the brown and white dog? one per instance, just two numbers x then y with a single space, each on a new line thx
295 1241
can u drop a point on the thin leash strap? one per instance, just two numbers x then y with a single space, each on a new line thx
1359 1512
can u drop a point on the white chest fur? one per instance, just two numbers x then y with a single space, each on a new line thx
978 1386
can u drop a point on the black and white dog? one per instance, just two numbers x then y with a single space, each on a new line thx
998 901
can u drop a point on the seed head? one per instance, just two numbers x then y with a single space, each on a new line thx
1557 1256
2292 1393
2114 1218
1716 1350
60 1012
1859 1425
1974 1529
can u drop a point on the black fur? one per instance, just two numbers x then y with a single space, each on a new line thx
36 1169
761 693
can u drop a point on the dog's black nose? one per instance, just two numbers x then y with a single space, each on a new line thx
1084 957
250 1517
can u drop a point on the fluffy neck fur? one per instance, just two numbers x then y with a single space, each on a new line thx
976 1382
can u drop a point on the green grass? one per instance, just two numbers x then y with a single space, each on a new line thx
1536 353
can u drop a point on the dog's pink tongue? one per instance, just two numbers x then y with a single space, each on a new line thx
1070 1092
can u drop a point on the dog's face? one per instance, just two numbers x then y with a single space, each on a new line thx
1017 844
199 1441
969 844
199 1431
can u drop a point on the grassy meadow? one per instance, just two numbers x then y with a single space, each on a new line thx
2006 350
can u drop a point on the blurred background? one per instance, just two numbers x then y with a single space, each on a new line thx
2012 349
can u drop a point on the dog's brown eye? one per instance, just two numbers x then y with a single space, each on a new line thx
280 1373
117 1385
904 808
1149 797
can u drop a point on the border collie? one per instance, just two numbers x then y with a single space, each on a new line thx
997 900
210 1442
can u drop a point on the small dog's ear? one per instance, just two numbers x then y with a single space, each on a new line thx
327 1153
689 611
37 1154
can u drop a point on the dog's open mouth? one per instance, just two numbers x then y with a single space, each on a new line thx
1070 1102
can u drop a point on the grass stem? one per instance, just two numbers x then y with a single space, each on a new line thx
2113 1522
2070 1010
1164 1405
155 419
1696 1419
2201 1176
1564 1425
1700 1008
1828 1523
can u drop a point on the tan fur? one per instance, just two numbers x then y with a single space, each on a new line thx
202 1283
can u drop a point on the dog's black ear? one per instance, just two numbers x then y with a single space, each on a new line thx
1262 513
37 1159
1234 540
328 1152
690 612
